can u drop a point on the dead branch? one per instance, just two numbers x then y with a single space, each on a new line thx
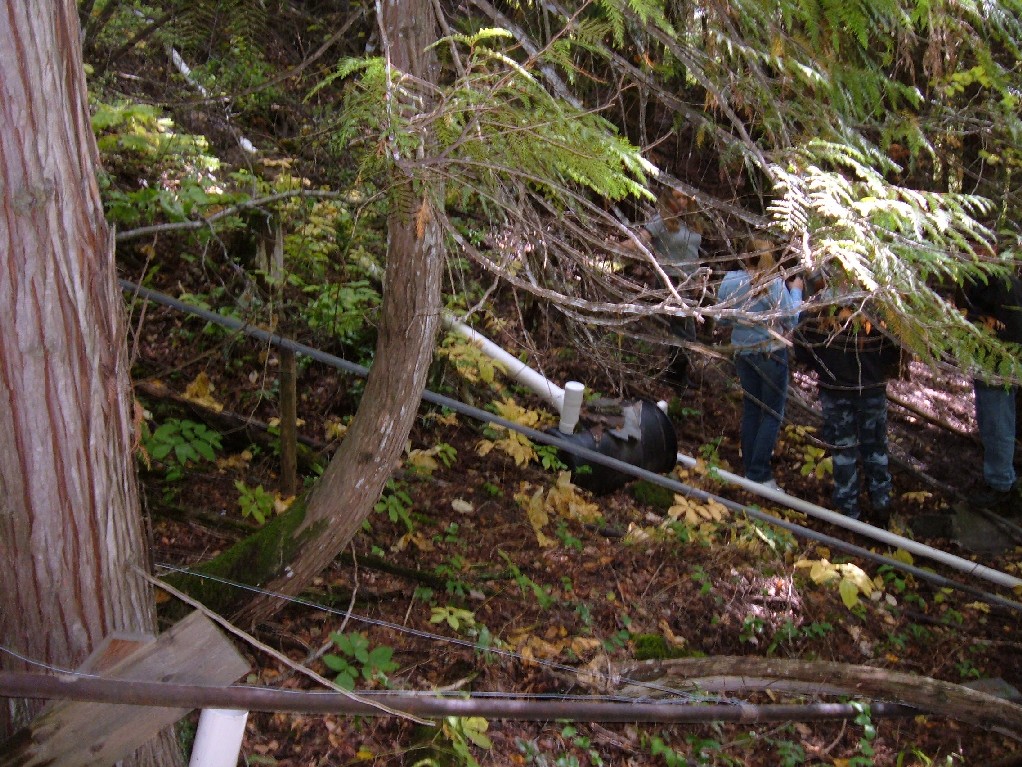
749 673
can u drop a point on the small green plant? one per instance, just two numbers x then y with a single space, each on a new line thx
527 585
752 628
341 310
451 571
707 751
710 451
176 443
463 733
357 658
455 617
567 540
255 502
450 535
397 504
658 747
549 459
700 576
862 718
789 753
492 490
617 641
571 733
788 633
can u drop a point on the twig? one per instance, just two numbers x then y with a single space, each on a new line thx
187 226
245 636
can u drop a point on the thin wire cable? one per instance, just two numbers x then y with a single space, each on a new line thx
568 446
572 670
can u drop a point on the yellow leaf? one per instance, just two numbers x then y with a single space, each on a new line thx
236 462
200 391
849 593
423 461
334 429
635 534
449 419
823 571
518 447
582 645
484 447
919 496
280 505
858 578
535 510
902 556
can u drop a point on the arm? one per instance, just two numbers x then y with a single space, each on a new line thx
790 301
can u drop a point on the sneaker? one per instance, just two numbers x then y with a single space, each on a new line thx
879 516
997 501
772 484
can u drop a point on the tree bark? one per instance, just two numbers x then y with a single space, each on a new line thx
372 448
70 527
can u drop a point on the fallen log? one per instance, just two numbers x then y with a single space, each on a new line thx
748 674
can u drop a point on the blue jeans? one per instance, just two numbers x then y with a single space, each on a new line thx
995 416
764 379
854 428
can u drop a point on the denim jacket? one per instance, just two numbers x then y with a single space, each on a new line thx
754 335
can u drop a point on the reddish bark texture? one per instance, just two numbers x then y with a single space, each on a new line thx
70 529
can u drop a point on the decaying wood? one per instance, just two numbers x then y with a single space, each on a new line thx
74 734
736 675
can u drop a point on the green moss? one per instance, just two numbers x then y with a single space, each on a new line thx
656 647
650 494
252 561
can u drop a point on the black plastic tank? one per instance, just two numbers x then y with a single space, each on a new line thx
645 438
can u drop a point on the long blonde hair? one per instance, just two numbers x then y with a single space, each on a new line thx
759 258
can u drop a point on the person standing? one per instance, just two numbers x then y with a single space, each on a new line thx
853 359
768 309
996 304
676 249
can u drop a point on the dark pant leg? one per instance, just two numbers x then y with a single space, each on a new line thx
839 432
873 447
764 379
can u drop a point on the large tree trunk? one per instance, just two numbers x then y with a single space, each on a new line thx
335 509
70 528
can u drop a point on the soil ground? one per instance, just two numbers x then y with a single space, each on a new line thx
460 563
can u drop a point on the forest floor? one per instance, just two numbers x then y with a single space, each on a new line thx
455 563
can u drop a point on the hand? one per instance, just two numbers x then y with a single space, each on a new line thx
796 283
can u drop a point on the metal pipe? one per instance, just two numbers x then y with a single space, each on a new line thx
140 693
863 528
562 444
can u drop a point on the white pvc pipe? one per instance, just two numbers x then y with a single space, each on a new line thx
218 738
531 379
536 382
876 533
553 394
570 406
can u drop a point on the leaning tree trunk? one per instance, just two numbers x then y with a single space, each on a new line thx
345 495
70 528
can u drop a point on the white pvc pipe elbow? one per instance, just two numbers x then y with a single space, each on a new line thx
570 407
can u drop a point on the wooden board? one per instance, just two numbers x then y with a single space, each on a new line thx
72 734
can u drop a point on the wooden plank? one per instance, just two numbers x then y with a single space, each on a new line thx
69 734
